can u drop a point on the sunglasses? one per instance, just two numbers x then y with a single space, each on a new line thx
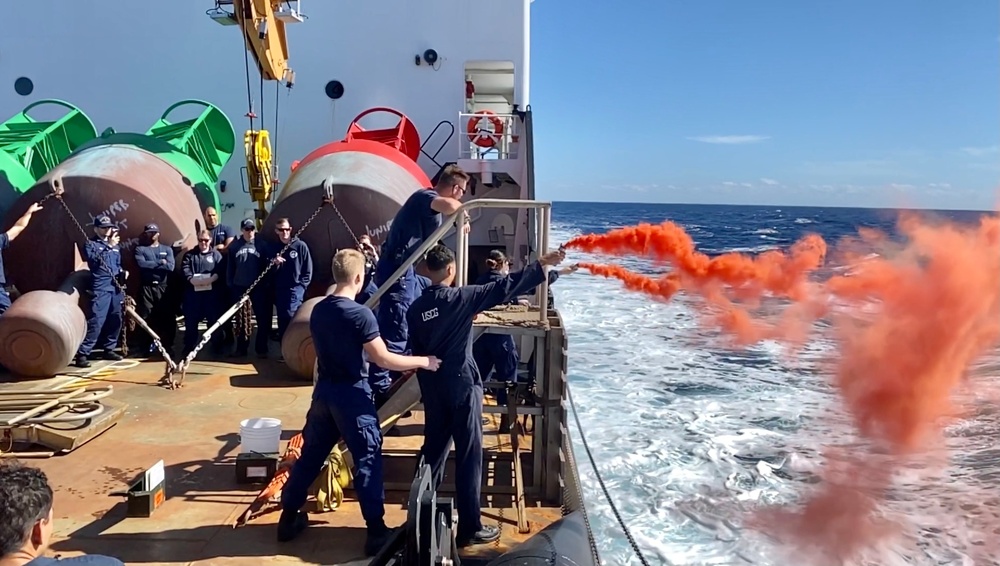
283 229
205 241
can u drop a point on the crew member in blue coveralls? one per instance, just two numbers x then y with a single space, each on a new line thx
342 403
419 217
368 289
245 264
293 273
222 236
441 325
201 269
5 239
156 263
107 278
499 351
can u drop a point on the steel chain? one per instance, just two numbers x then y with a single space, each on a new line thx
244 321
244 299
128 304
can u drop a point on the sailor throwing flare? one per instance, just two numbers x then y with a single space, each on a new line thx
440 323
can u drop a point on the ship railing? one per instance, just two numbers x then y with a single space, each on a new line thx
542 208
502 145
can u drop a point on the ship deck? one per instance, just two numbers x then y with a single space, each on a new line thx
195 431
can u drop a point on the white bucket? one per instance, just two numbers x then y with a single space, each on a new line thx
261 435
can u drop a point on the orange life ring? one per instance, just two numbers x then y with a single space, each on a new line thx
482 137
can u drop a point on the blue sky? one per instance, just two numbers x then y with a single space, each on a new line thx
848 103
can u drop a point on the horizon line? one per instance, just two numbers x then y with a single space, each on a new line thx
891 208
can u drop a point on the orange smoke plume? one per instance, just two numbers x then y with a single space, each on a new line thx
910 319
663 288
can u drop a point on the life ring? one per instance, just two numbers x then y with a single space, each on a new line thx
482 137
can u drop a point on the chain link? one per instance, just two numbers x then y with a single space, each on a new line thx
243 302
128 303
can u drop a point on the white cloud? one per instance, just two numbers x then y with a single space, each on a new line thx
730 139
981 151
769 182
728 184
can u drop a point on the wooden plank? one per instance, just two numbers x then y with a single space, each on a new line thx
515 432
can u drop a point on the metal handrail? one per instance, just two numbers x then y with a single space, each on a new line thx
461 242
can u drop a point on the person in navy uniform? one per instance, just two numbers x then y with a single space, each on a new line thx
156 262
27 520
5 239
222 236
343 331
244 264
201 269
498 352
440 322
370 252
292 275
418 218
107 278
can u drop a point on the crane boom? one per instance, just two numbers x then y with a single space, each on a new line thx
263 25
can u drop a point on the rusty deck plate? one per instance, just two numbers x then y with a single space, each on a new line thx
195 430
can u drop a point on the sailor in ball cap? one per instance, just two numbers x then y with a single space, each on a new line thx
107 286
156 262
246 263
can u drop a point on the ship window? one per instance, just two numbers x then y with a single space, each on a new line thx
334 89
24 86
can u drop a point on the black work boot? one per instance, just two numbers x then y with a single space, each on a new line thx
485 535
377 538
81 361
291 524
112 355
504 423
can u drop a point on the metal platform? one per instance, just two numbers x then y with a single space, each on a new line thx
515 320
61 420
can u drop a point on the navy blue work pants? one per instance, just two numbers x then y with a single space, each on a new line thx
341 408
262 308
199 306
455 412
391 316
497 352
105 320
4 300
287 303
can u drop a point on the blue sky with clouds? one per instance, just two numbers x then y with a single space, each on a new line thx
849 103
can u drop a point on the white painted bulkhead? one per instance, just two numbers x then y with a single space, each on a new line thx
124 63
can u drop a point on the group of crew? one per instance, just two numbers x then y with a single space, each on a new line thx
422 323
213 276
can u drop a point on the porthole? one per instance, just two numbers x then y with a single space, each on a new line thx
24 86
334 90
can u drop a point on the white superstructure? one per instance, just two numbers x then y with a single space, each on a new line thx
123 63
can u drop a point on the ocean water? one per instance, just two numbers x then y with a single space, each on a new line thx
691 435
